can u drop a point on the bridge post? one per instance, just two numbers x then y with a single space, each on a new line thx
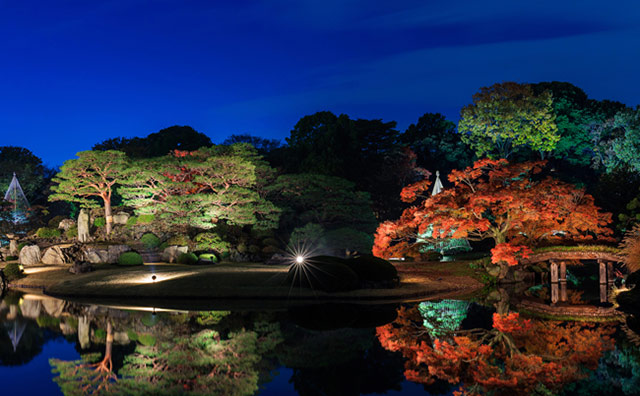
563 291
563 271
602 266
554 271
610 276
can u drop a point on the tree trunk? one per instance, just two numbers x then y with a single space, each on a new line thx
107 215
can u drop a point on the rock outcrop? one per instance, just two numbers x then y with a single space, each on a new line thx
30 255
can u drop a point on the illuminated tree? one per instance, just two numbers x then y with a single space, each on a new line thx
509 203
93 175
506 116
201 188
517 356
617 142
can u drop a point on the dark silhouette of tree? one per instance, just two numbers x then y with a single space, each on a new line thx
158 143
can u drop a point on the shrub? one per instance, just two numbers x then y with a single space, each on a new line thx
187 258
13 271
100 334
48 321
253 249
208 257
145 219
150 241
211 241
11 258
631 248
130 259
21 245
45 232
131 221
147 339
150 319
55 221
374 269
326 273
310 234
71 233
99 222
178 240
349 239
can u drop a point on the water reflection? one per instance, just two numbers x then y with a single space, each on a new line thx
334 349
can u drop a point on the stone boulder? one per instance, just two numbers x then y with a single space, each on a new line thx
30 255
120 218
115 251
13 247
55 256
66 224
96 255
104 255
171 254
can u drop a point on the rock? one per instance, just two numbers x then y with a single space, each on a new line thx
170 254
83 226
31 308
54 307
66 224
55 256
120 218
13 247
30 255
96 255
493 270
114 252
81 268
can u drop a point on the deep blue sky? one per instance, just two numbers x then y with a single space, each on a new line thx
74 73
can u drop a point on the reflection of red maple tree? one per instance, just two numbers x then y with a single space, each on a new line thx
493 199
516 357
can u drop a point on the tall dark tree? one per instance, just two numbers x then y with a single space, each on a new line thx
263 145
437 144
159 143
362 151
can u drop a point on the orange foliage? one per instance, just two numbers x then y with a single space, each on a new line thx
515 357
497 200
509 254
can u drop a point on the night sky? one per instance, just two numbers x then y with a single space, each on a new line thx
74 73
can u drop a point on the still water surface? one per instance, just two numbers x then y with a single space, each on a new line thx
50 346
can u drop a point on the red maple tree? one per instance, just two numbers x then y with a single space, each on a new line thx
517 356
494 199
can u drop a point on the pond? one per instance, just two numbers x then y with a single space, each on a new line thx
476 345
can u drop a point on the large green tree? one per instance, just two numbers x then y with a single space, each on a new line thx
617 142
91 178
437 144
507 116
203 187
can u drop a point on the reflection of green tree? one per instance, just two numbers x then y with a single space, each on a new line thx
203 363
443 318
618 374
87 376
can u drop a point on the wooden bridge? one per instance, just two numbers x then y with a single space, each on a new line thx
558 269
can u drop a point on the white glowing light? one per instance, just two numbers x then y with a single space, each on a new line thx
299 259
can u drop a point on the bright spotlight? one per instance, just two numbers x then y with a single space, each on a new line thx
299 259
